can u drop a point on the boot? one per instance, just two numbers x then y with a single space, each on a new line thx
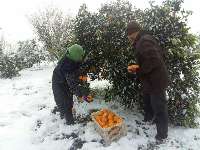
160 139
69 118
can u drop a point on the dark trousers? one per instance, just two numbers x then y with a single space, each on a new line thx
62 95
155 105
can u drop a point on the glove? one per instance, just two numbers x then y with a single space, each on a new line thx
133 68
88 98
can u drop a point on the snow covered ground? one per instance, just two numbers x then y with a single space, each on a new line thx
27 123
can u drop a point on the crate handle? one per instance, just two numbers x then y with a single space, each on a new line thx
114 130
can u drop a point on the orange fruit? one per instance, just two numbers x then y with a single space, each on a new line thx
104 120
115 118
130 67
107 118
110 120
100 113
133 68
105 115
111 124
119 120
102 124
106 126
105 110
97 119
110 116
83 78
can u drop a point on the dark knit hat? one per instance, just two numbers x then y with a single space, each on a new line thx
132 27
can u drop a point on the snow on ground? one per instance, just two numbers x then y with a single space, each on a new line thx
27 121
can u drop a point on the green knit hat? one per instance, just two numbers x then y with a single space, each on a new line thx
75 53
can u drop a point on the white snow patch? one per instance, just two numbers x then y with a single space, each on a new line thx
26 121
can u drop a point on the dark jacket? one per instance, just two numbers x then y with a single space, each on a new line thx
152 73
68 72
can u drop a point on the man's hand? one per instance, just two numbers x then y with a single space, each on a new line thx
133 68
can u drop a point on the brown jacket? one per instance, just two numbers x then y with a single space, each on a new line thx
152 73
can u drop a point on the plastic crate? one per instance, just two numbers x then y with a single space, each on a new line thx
110 134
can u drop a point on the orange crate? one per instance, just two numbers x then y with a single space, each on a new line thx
110 133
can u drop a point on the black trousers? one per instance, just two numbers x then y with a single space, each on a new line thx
155 105
62 95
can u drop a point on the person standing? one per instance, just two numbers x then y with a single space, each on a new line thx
153 74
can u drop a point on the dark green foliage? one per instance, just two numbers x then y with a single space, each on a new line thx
53 29
28 54
8 67
1 50
107 43
2 45
85 29
103 34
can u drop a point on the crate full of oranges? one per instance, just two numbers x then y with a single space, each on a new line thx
109 125
107 119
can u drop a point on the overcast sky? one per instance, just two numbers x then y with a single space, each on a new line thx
15 26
